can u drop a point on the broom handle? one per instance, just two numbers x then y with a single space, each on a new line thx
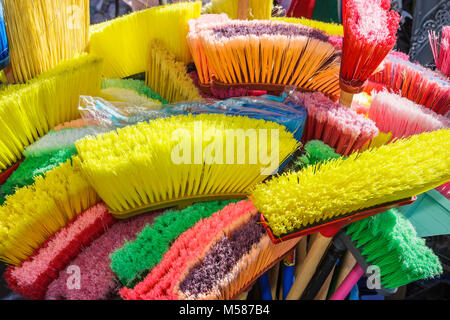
306 269
346 98
347 265
322 295
349 282
242 13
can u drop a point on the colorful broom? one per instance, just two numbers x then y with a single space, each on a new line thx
414 82
29 111
441 52
369 35
44 33
123 42
269 55
32 277
179 165
65 194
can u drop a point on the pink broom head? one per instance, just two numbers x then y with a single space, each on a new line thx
369 34
161 283
338 126
98 281
441 51
402 117
444 190
414 82
32 277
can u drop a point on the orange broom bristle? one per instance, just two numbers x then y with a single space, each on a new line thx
270 53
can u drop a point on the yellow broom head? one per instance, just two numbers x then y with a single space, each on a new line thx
28 111
123 42
272 53
34 213
333 29
389 173
258 9
43 33
167 76
182 159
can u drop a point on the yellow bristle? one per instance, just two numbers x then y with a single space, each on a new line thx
28 111
167 76
134 169
34 213
386 174
42 33
272 52
258 9
123 42
381 139
332 29
129 96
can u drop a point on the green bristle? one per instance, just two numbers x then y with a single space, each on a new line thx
314 151
136 85
389 241
135 259
32 167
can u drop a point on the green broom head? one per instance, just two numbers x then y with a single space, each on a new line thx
35 166
313 152
136 259
114 87
389 241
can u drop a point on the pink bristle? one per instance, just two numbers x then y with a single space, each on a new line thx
161 281
441 51
369 35
33 276
97 279
402 117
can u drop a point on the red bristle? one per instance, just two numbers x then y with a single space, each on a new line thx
369 35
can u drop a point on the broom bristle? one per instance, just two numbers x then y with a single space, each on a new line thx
139 167
333 29
41 34
29 111
97 279
441 51
136 259
416 83
34 213
32 277
78 123
389 241
167 76
258 9
338 126
402 117
369 34
271 53
124 42
392 172
136 85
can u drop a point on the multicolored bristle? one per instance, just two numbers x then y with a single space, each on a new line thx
441 51
97 279
178 165
415 83
123 42
136 259
29 111
389 241
407 167
32 167
402 117
41 34
271 53
34 213
370 29
338 126
31 278
168 76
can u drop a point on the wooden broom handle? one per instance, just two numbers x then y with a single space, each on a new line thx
242 13
307 268
346 98
347 265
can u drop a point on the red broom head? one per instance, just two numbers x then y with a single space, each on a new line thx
369 35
